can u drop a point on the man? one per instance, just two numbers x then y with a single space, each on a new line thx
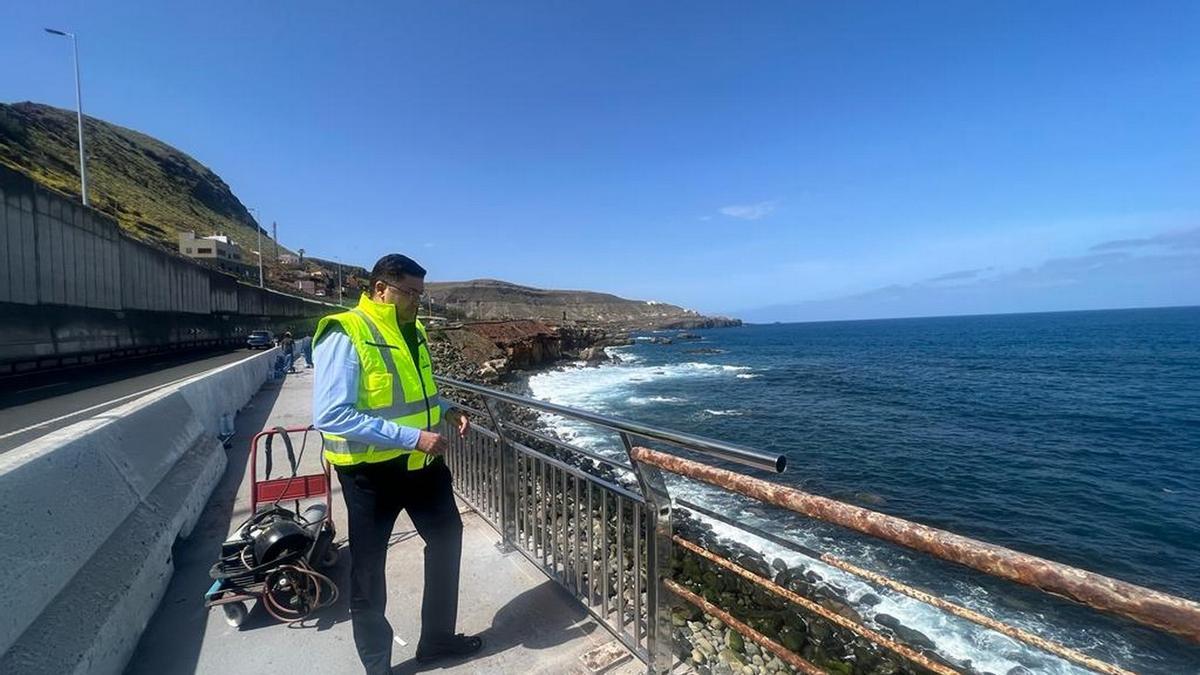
375 399
288 347
306 350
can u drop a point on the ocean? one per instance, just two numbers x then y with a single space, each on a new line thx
1073 436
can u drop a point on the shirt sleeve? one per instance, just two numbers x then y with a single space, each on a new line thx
335 391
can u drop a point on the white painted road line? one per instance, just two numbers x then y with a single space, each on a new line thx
116 400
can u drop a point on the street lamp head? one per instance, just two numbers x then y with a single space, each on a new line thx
60 32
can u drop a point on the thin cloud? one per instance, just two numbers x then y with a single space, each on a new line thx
750 211
1178 240
958 276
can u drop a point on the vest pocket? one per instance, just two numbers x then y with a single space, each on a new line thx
378 388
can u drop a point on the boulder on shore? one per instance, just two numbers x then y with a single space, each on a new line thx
593 354
493 369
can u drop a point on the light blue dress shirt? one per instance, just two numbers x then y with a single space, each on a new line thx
335 391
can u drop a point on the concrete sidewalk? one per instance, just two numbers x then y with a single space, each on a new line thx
530 626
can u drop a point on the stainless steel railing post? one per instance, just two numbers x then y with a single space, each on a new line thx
507 483
658 562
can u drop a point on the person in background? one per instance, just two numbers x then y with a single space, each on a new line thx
306 349
287 346
375 400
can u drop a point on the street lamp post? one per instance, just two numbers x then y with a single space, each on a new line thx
258 228
339 266
78 113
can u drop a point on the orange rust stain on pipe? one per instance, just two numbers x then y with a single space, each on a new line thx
1143 605
971 615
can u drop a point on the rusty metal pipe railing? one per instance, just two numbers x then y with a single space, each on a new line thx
786 655
962 612
1142 605
971 615
878 638
705 446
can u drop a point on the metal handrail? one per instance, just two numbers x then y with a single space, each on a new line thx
704 446
1146 606
878 579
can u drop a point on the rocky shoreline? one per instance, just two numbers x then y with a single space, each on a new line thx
699 639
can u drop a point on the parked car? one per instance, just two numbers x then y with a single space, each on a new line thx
260 339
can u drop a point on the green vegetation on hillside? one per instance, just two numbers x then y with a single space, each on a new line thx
152 189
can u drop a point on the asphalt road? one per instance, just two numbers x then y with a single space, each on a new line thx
35 405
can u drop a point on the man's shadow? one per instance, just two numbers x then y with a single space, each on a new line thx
542 617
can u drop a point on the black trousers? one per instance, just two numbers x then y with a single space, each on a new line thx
375 494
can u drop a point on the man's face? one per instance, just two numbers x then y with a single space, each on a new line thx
404 295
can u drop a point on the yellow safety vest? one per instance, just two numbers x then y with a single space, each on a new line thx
389 383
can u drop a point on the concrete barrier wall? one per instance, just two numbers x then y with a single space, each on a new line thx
120 293
91 513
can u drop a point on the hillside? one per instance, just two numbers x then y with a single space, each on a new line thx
153 190
488 299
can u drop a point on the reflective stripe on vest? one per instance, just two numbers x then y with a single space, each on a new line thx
336 445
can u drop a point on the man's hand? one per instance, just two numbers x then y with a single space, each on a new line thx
431 443
459 419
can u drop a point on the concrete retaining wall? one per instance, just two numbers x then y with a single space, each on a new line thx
91 512
97 292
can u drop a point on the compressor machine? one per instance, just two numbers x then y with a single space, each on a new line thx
275 554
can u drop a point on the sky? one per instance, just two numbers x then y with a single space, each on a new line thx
773 161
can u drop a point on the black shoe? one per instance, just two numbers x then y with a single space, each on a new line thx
458 646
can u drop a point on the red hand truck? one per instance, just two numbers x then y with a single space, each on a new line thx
273 557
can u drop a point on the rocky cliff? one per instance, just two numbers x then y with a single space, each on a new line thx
488 299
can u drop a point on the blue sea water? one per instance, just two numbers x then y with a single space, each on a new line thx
1073 436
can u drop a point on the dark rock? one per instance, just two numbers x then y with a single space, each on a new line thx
832 590
870 599
841 609
800 587
884 668
913 637
819 631
702 322
784 577
839 668
791 639
594 354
